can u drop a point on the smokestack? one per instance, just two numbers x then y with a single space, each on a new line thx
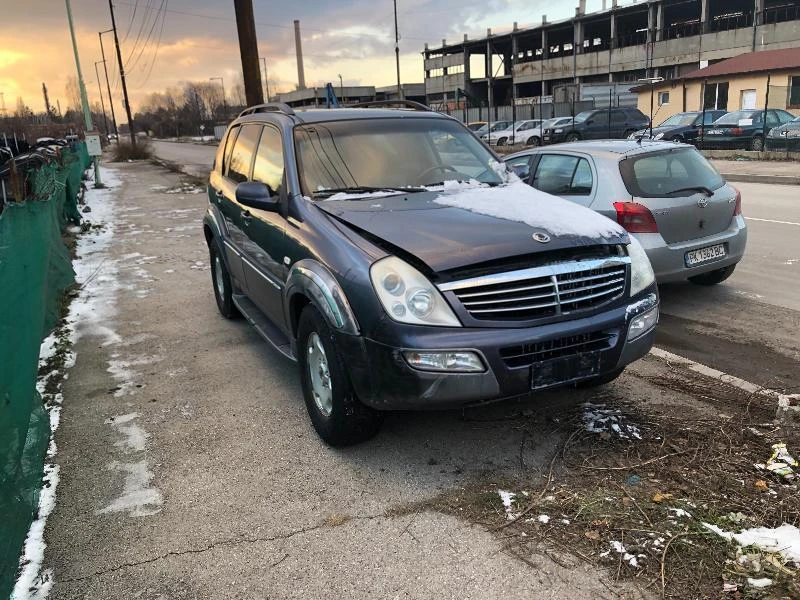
301 75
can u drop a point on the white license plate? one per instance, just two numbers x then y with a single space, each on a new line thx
695 257
714 132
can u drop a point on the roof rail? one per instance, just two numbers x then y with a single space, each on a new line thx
279 107
401 103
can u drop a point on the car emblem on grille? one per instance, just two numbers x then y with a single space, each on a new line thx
541 237
702 203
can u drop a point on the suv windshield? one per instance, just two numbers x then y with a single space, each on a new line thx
393 153
740 115
671 173
582 116
680 120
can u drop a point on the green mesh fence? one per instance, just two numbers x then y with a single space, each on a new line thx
35 269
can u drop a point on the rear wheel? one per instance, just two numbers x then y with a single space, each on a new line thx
502 141
676 138
600 380
757 143
572 137
628 133
713 277
336 413
221 282
533 141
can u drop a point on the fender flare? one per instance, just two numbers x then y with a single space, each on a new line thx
313 280
213 222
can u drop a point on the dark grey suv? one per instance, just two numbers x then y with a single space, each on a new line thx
598 124
395 259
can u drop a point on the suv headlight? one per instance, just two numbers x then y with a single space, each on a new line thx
408 296
641 270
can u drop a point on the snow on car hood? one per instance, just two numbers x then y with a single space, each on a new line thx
462 224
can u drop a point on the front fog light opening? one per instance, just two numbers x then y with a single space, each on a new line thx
452 362
642 324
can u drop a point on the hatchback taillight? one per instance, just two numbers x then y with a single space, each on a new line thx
737 208
635 218
736 131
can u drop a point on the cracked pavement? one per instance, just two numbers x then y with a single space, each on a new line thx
189 468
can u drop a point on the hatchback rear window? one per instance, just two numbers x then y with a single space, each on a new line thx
668 173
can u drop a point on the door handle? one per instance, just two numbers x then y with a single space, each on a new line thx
218 194
246 216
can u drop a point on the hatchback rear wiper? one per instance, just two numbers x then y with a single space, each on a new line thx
363 189
693 188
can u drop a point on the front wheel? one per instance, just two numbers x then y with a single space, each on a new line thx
336 413
676 138
713 277
757 143
572 137
501 142
221 282
533 141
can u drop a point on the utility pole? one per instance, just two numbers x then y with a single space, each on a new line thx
100 89
341 88
46 100
266 77
87 114
122 75
108 85
397 52
248 48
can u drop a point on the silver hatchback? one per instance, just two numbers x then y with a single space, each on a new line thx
687 218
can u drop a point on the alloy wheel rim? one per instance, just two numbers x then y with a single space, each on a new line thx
319 373
218 281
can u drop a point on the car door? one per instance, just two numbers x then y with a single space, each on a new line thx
568 176
596 126
620 124
264 230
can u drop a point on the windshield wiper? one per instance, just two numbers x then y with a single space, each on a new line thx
363 189
693 188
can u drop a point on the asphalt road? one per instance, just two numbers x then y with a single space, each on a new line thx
189 468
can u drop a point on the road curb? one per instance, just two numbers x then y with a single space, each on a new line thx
768 179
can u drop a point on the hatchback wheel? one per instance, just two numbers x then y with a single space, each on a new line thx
713 277
501 142
221 282
573 137
533 141
757 143
336 413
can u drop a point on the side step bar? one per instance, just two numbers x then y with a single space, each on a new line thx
266 328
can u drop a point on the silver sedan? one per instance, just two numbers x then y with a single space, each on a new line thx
687 218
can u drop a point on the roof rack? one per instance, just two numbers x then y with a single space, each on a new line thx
278 107
401 103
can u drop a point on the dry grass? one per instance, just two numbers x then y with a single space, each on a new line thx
125 151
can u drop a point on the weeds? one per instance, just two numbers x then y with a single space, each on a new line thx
125 152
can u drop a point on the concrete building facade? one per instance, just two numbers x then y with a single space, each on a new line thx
620 44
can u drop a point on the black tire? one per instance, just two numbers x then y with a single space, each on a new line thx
676 138
501 141
223 289
600 380
533 141
628 133
713 277
757 143
349 421
572 136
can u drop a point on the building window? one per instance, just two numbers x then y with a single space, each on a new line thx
663 98
794 92
715 96
748 100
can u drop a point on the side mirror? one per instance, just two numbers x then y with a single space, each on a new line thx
589 121
257 195
522 171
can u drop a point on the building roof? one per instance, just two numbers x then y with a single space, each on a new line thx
752 62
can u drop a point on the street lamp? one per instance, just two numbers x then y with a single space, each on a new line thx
341 88
224 104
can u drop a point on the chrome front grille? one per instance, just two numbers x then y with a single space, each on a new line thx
546 291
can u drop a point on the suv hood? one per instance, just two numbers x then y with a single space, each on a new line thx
462 224
666 130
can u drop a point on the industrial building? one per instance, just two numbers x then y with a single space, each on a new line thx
317 96
620 45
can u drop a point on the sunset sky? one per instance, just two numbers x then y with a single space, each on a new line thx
351 37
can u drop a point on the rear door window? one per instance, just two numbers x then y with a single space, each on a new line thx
241 159
617 116
563 175
671 173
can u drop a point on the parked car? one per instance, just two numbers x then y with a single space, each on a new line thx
477 126
743 129
491 128
785 137
680 127
416 279
598 124
513 134
687 218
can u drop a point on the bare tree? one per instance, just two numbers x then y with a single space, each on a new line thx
22 111
73 94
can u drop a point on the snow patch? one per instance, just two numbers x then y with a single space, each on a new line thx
784 540
598 418
619 548
508 503
138 498
135 437
517 201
